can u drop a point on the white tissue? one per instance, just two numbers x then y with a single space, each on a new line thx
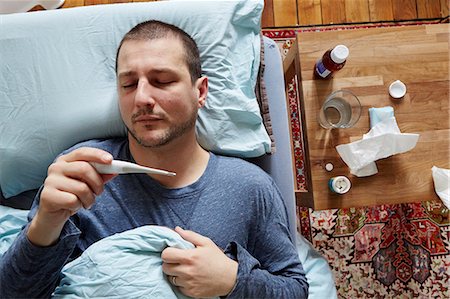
382 141
441 179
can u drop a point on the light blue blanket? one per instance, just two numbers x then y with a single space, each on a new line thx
11 222
128 265
125 265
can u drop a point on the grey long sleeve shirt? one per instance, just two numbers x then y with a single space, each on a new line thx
234 203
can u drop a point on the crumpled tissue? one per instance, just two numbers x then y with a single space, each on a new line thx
441 179
383 140
377 115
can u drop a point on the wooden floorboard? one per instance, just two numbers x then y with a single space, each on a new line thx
357 11
309 12
325 12
427 9
285 13
267 16
404 10
380 10
291 13
73 3
333 12
444 8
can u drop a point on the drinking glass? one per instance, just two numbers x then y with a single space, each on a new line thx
341 109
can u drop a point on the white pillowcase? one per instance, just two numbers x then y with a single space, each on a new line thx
58 82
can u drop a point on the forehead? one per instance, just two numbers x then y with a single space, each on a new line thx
161 52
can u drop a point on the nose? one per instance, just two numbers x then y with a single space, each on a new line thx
144 94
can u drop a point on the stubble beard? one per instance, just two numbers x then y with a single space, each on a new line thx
166 136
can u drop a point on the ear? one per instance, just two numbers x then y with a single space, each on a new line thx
201 86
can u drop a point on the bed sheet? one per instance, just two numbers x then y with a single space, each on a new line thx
142 246
11 223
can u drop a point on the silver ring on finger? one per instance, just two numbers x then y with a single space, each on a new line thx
174 280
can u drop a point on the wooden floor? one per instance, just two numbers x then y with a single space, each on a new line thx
291 13
288 13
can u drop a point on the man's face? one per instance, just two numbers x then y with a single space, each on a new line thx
158 102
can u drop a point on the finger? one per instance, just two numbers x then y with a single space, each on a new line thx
176 281
66 200
193 237
80 189
88 154
73 202
174 255
172 269
83 171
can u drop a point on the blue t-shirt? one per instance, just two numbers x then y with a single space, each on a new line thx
234 203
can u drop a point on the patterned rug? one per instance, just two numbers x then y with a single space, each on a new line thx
387 251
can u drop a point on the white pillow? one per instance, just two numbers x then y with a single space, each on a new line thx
58 83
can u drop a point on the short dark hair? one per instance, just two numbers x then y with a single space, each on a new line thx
154 29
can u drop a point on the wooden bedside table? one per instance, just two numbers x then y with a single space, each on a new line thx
416 55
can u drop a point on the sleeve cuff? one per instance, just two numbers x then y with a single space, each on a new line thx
246 263
66 243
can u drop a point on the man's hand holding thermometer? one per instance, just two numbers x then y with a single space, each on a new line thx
73 182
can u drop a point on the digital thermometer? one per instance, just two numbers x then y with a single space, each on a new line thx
123 167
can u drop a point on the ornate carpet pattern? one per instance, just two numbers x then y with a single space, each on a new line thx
386 251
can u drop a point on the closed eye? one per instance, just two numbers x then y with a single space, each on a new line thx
128 86
163 82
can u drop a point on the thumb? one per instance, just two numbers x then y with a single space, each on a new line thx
193 237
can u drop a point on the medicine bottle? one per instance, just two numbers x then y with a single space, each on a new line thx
339 184
331 61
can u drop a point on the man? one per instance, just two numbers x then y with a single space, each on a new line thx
229 209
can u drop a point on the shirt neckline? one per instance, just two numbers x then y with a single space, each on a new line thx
178 193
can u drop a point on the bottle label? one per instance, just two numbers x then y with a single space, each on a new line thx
321 70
